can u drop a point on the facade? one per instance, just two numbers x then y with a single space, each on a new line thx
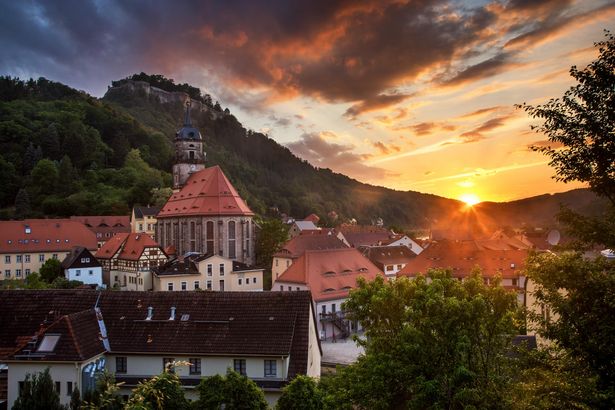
207 272
329 275
79 333
26 245
296 247
81 265
127 260
462 257
143 219
300 227
189 155
104 227
207 216
389 259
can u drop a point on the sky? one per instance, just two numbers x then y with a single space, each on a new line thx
411 95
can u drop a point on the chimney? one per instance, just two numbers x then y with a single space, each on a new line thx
172 317
150 313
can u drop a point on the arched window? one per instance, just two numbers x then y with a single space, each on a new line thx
232 249
210 237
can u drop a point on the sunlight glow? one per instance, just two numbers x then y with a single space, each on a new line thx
469 199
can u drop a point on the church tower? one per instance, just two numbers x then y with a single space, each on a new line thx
189 155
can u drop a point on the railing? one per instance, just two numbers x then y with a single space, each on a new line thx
338 319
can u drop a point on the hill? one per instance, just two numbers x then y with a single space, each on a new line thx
117 151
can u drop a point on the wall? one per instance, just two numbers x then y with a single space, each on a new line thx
34 265
314 355
88 276
279 266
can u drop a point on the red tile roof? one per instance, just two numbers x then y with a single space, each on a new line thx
130 246
207 192
312 218
330 273
388 255
299 244
98 221
463 256
45 235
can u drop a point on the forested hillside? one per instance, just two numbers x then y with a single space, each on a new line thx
64 152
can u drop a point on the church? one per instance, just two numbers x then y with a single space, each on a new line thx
205 214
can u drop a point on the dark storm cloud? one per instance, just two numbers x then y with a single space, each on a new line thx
488 68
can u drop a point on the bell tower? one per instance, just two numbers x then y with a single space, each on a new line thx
189 155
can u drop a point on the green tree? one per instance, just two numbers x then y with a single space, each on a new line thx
302 393
272 234
67 177
438 344
75 400
580 130
22 204
38 393
580 295
161 392
232 392
104 396
44 177
51 270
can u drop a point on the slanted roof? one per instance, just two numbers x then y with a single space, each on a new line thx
112 246
44 235
306 226
103 221
176 267
127 246
142 211
463 256
312 241
388 255
312 218
74 255
330 273
217 323
207 192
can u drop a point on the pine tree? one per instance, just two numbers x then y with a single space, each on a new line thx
22 204
38 393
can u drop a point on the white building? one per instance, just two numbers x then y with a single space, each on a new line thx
81 265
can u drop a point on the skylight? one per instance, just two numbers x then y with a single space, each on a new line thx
49 343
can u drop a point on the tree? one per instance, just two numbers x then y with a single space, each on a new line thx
105 396
161 392
272 234
22 204
438 344
232 392
580 295
51 270
38 392
302 393
75 400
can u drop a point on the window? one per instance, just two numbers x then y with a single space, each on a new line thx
333 307
239 365
7 259
27 258
58 387
85 260
69 388
18 258
514 282
78 272
170 286
390 267
270 368
90 272
221 269
140 227
195 365
184 286
232 249
196 285
222 286
41 258
240 281
7 273
27 272
209 269
54 256
253 280
281 287
276 262
298 288
208 285
167 364
18 273
323 308
210 237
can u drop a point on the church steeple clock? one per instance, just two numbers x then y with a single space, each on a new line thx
189 155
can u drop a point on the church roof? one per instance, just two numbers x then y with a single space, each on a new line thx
188 132
207 192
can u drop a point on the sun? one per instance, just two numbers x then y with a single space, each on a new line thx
469 199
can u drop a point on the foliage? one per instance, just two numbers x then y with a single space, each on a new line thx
302 393
51 270
38 393
167 84
579 293
75 400
162 392
272 234
104 397
438 344
232 392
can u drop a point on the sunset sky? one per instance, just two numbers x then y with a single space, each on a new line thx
412 95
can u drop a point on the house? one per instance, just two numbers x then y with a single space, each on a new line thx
312 218
403 240
143 219
104 227
127 260
81 265
462 257
268 336
363 235
207 272
329 274
205 214
389 259
301 227
295 247
26 245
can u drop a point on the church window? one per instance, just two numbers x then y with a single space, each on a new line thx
191 154
192 237
210 237
232 254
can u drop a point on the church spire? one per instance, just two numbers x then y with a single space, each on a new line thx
187 121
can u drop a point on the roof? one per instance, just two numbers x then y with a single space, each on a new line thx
306 225
98 221
312 218
299 244
176 267
141 211
356 239
75 254
44 235
388 255
463 256
127 246
206 192
217 323
330 273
